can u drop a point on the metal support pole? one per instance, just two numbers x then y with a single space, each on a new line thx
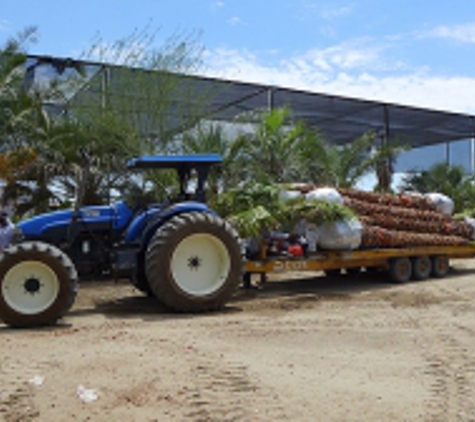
472 157
270 99
385 170
386 125
105 82
472 146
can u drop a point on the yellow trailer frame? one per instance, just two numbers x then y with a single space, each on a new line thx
368 258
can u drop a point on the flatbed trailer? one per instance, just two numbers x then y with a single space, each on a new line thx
402 264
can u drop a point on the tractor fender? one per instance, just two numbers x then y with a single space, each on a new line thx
145 225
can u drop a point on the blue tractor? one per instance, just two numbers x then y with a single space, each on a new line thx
181 251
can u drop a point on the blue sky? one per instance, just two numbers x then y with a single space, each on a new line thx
410 52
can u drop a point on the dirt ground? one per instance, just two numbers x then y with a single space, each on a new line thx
316 349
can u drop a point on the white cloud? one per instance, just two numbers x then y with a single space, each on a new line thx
351 55
354 74
311 9
4 25
463 33
235 21
423 90
334 13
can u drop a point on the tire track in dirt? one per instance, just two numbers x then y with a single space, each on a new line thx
452 370
17 392
446 346
225 391
208 385
19 405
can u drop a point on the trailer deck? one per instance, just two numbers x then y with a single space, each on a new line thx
402 263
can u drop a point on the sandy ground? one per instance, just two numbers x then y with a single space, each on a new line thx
341 349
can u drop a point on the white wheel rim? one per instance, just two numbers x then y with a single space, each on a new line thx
200 264
30 287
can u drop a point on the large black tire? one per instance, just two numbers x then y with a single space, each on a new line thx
38 284
140 282
194 262
139 279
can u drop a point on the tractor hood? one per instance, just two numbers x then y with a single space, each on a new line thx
37 225
116 215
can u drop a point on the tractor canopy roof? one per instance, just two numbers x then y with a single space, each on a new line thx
174 161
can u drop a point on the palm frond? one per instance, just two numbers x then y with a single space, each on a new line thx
253 222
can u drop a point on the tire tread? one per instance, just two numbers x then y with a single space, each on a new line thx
65 272
158 256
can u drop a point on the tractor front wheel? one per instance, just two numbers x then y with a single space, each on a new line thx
38 284
194 262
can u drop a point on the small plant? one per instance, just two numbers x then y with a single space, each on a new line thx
253 222
316 212
256 208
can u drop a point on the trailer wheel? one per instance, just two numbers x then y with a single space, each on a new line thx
440 266
400 269
421 267
194 262
38 284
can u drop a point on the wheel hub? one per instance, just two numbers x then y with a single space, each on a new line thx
194 262
32 285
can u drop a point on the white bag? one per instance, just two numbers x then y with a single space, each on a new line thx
471 221
340 235
287 195
324 194
312 234
442 203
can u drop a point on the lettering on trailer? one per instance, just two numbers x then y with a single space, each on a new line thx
290 266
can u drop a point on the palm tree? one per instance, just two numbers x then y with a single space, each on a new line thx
384 159
452 181
340 166
16 105
269 152
212 138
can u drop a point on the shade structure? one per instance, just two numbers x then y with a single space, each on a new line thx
191 98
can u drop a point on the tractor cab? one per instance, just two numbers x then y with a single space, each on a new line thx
185 165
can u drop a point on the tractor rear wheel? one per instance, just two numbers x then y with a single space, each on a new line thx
194 262
38 284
